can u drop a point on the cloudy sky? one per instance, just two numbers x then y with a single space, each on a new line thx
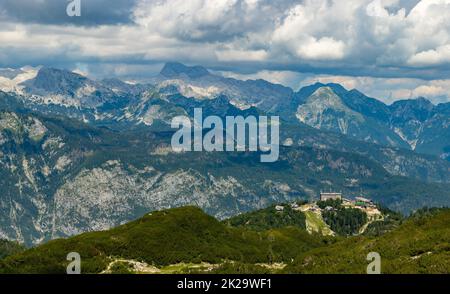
389 49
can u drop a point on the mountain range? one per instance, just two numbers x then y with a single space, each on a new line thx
80 155
414 124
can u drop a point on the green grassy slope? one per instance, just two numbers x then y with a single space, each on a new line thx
166 237
269 218
186 239
419 245
8 248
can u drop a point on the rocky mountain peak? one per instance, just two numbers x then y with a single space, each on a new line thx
325 95
49 79
419 109
175 69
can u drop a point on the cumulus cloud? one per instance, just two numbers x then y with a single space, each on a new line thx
305 31
203 20
431 57
323 49
241 55
378 39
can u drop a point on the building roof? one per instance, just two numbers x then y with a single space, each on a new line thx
330 193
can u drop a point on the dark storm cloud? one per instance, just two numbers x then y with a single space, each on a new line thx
93 12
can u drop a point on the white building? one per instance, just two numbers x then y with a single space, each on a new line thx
324 196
